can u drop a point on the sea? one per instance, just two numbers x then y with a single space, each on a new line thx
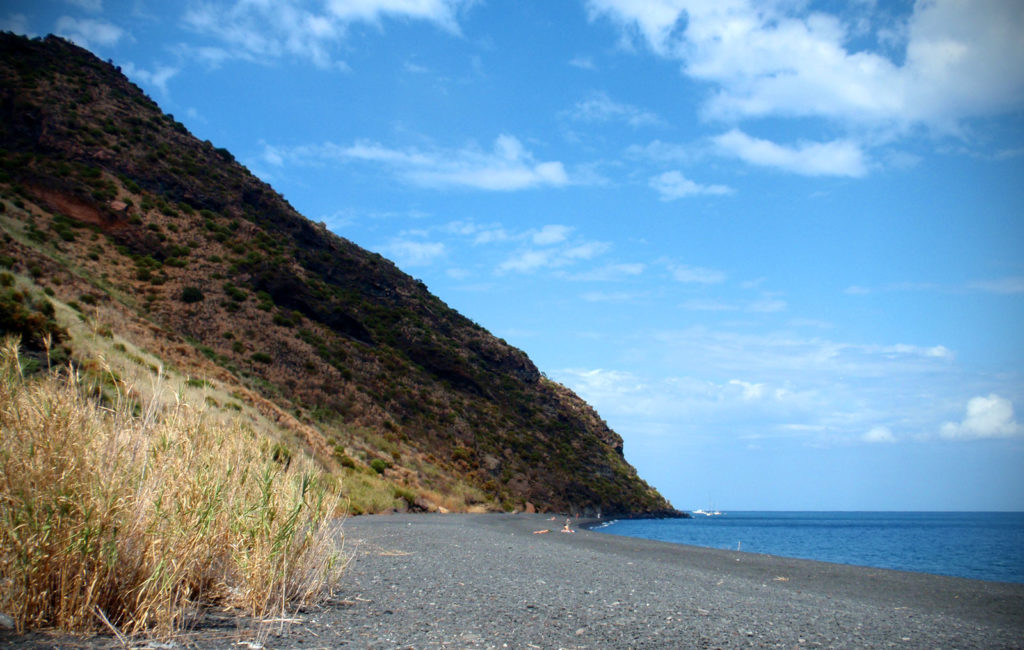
978 545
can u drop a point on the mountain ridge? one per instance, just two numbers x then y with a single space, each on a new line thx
191 255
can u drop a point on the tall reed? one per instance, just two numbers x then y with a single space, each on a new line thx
145 519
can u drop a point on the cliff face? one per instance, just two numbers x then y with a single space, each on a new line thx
109 201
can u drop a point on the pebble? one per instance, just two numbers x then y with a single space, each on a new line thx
486 581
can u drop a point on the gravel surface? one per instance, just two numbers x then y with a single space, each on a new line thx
487 581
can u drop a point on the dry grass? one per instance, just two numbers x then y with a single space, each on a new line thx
145 519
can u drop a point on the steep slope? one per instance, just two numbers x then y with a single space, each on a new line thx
179 249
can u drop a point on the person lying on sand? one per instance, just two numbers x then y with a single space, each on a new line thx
541 532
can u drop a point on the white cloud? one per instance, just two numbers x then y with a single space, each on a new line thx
527 261
89 5
441 12
583 63
552 257
551 234
509 166
610 296
157 78
767 305
89 33
705 304
611 273
664 152
676 403
1003 285
749 391
782 59
836 158
586 250
551 247
673 185
261 30
879 435
987 417
407 252
695 274
601 108
16 23
479 234
703 383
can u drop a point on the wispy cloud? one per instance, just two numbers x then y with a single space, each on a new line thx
764 305
672 185
507 166
836 158
441 12
610 273
263 31
551 234
664 152
1011 285
157 77
411 252
534 259
94 6
694 274
583 62
88 32
820 391
612 296
599 107
1003 286
16 23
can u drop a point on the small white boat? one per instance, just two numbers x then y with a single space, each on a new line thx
707 513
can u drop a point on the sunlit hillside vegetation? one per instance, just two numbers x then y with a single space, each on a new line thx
161 251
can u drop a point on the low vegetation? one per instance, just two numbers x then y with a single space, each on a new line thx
143 519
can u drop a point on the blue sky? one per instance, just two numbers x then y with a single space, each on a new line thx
778 245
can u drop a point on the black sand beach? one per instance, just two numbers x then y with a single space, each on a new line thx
487 581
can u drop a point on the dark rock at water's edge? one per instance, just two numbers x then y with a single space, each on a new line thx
670 513
590 521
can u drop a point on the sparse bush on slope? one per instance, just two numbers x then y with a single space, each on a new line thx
146 519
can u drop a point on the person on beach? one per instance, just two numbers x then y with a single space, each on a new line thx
566 529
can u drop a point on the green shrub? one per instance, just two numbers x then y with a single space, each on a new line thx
29 317
233 292
191 295
343 458
378 465
261 357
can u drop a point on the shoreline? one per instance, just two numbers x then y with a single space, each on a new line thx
483 581
596 525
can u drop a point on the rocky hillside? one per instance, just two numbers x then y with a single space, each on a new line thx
164 243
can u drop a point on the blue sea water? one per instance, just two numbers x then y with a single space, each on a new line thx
979 545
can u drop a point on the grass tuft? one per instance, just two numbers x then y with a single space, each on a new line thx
142 520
